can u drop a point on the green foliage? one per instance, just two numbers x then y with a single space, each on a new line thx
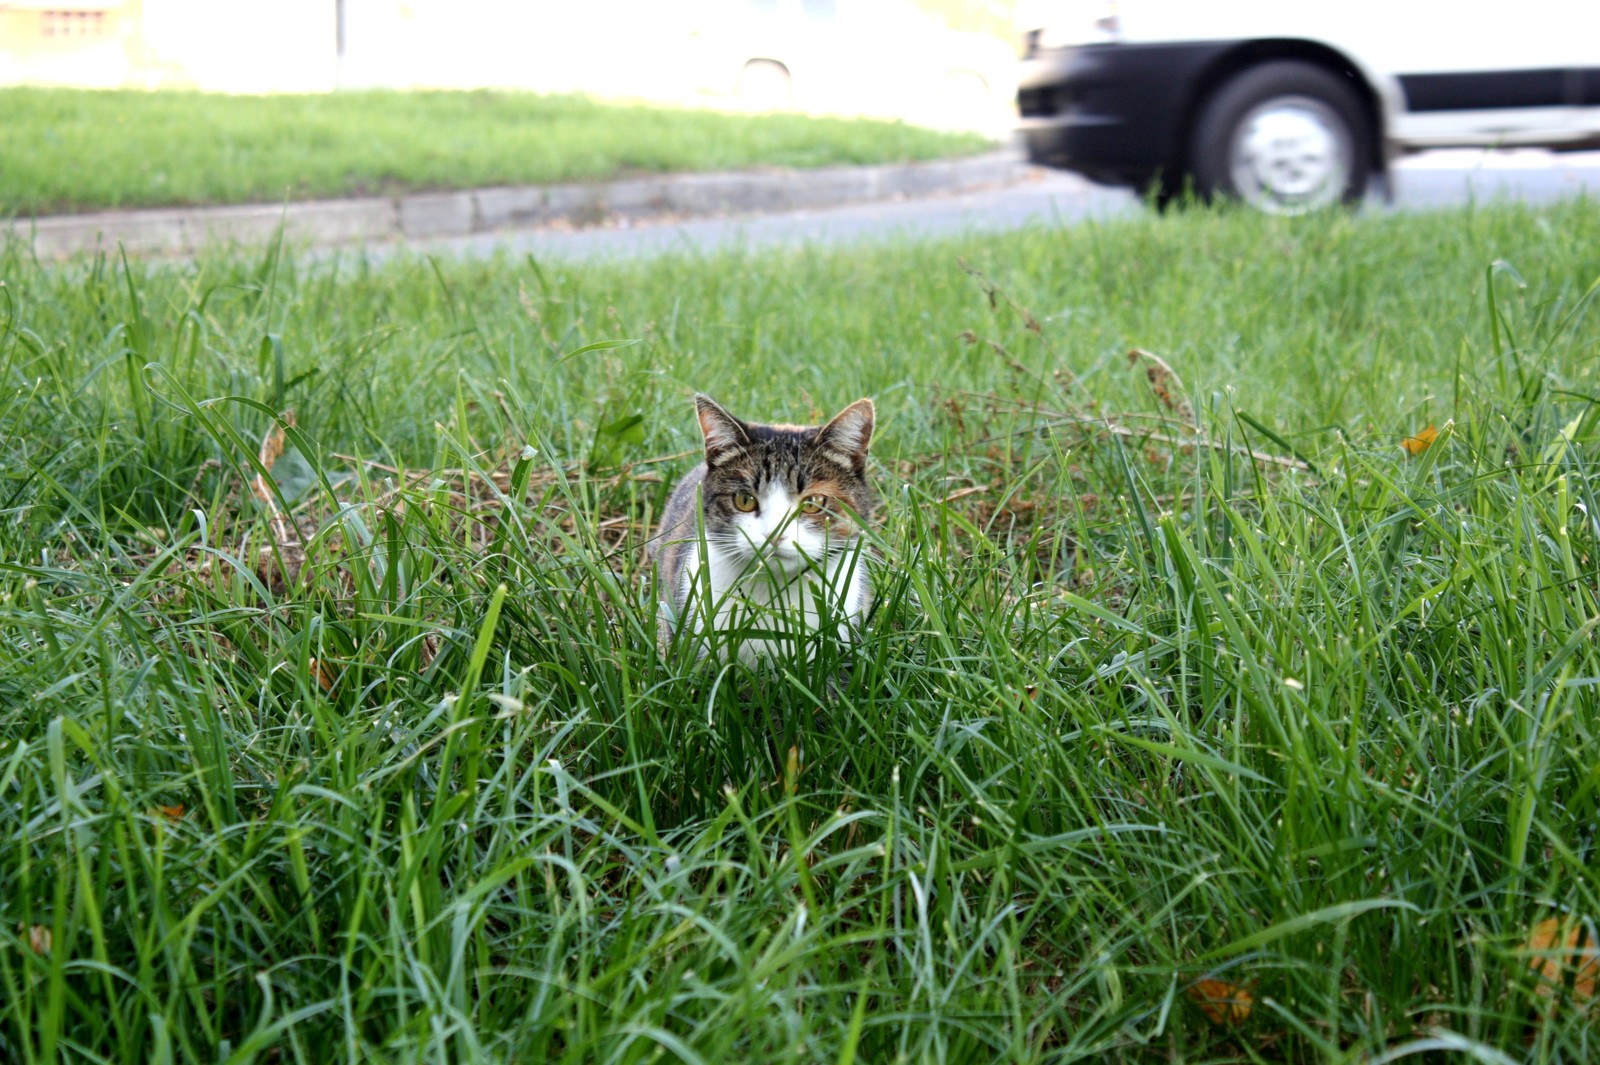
65 150
1134 707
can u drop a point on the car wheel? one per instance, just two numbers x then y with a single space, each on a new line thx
1285 137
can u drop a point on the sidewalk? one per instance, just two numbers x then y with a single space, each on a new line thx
383 220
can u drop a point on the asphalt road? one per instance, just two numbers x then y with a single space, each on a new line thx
1050 198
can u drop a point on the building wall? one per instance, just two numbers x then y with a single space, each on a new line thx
89 45
215 45
251 46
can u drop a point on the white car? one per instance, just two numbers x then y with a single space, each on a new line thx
1291 106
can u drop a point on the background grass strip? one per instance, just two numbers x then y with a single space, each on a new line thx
64 150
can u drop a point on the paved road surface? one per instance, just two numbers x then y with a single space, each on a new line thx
1430 180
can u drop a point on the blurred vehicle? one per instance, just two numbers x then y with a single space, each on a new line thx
879 58
1291 106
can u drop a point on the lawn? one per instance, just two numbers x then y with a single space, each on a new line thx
1237 703
65 150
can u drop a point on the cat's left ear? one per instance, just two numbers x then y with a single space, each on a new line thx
845 439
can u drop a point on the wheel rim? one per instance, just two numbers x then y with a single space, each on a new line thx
1290 155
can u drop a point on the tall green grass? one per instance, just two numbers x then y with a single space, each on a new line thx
1134 709
65 150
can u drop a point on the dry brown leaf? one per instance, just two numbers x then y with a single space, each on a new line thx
272 443
1226 1004
1164 383
1558 946
39 938
1416 445
429 650
284 534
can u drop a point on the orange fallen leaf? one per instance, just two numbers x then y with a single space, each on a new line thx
1416 445
1558 945
1225 1004
320 671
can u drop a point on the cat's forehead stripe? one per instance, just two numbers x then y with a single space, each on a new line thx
798 434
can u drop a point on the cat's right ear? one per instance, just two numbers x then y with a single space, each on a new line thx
725 435
846 438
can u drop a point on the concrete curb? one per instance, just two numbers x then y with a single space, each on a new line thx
377 220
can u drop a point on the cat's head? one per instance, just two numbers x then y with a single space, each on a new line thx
787 495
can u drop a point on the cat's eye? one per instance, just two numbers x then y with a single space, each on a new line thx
813 504
744 502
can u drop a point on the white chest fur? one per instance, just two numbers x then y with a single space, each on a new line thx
765 609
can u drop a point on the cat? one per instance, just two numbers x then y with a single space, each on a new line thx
763 539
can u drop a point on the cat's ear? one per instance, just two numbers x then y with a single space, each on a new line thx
724 433
845 439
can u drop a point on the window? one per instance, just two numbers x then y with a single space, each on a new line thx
73 23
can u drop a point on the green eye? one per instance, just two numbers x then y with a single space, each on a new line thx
813 504
744 502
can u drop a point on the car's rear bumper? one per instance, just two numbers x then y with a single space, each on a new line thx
1114 112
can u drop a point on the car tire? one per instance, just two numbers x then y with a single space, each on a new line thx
1170 191
1285 137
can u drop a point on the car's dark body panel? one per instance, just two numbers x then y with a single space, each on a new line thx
1114 112
1486 89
